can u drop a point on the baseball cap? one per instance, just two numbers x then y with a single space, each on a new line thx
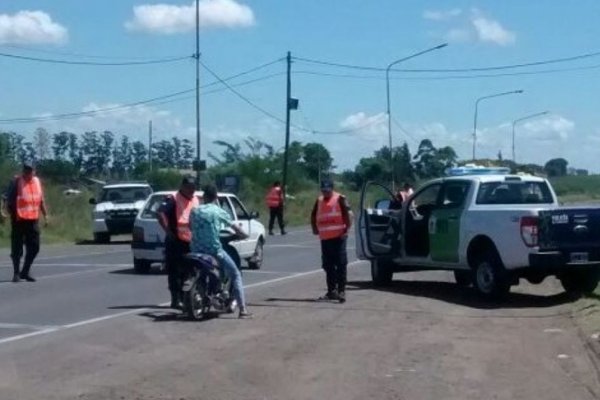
28 166
326 185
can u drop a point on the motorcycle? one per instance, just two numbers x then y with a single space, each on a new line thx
207 289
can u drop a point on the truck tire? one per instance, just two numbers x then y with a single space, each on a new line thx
255 262
580 282
141 266
491 279
381 273
463 278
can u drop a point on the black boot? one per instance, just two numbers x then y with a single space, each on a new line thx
176 301
16 278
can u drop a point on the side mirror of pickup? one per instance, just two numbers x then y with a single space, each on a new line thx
254 215
92 201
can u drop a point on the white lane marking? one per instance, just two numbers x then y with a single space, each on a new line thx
552 330
268 272
24 326
297 246
71 255
563 356
82 265
137 310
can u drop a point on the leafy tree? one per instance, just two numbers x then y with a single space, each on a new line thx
556 167
75 153
316 160
41 143
60 146
139 153
187 154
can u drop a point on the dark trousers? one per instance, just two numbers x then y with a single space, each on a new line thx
24 233
335 262
276 212
175 250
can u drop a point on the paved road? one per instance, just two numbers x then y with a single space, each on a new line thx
91 329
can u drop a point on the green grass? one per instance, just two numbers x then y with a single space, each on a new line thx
70 218
577 188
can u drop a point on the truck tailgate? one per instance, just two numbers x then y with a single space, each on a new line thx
570 229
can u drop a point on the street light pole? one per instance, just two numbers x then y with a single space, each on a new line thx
389 112
515 122
476 111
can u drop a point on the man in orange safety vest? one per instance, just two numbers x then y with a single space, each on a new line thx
274 200
25 202
331 218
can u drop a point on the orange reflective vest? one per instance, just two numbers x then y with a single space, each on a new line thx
183 208
330 221
29 199
273 198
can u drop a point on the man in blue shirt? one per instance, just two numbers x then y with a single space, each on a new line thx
206 222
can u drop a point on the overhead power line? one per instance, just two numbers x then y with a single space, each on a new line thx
79 55
449 77
164 99
445 70
96 63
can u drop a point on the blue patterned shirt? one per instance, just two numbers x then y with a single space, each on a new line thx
206 222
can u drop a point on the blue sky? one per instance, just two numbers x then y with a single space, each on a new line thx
241 34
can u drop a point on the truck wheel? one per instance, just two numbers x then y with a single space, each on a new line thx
102 237
580 282
463 278
141 266
491 280
381 273
255 262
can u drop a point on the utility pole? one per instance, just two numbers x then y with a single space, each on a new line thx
288 101
150 145
197 56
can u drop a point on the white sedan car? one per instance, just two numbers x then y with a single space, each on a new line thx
148 236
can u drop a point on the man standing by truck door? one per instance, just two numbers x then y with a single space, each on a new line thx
174 218
331 218
274 201
25 200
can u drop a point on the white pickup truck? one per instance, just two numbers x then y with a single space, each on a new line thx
490 230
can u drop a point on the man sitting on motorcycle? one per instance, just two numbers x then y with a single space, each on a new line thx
206 222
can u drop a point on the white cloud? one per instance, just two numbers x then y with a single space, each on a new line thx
441 15
474 27
491 31
553 128
171 19
31 27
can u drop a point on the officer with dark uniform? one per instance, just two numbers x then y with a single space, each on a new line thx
331 218
25 201
174 217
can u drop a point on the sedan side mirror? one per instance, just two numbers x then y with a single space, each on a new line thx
92 201
254 215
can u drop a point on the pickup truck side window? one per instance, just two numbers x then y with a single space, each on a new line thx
517 192
454 194
240 211
224 203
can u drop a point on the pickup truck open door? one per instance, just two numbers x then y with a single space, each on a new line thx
378 227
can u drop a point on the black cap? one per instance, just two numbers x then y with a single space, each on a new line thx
188 180
326 185
28 166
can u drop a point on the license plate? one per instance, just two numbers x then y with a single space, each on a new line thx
579 257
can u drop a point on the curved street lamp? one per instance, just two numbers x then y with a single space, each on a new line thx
476 110
389 113
515 122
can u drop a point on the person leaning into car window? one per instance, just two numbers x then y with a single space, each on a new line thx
174 216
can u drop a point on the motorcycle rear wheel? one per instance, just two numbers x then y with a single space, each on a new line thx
192 304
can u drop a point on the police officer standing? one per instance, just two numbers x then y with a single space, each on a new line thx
174 216
274 200
25 201
331 218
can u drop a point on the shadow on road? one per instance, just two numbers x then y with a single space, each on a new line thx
452 293
84 242
131 271
157 316
300 300
140 306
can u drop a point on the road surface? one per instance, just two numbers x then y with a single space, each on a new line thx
91 329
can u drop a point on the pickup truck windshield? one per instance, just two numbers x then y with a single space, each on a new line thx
124 194
516 192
